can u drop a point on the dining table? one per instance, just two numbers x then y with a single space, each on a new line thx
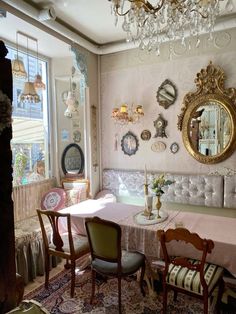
140 236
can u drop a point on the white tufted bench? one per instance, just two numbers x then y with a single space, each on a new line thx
230 191
201 190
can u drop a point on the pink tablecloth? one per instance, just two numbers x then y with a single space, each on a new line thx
106 210
222 230
134 237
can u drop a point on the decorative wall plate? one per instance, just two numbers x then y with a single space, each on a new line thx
145 135
158 147
129 143
174 147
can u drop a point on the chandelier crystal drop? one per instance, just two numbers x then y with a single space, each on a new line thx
150 25
125 115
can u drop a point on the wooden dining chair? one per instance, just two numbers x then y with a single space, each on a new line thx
190 276
67 245
107 257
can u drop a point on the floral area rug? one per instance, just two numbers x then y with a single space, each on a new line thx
56 299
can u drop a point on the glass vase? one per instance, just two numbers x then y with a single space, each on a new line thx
158 205
148 204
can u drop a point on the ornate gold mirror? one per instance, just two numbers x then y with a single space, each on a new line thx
208 117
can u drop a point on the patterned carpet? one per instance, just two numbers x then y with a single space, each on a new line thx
57 298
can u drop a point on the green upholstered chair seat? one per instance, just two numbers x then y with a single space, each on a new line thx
130 262
80 244
190 279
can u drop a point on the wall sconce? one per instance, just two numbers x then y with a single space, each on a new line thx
125 115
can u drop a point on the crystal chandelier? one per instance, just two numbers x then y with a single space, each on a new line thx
147 24
125 115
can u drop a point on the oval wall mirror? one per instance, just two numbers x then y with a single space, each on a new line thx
166 94
208 118
72 161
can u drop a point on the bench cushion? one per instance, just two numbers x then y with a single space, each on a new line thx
190 279
230 191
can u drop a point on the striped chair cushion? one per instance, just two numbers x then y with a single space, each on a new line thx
187 279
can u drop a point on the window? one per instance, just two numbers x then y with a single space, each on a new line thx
30 141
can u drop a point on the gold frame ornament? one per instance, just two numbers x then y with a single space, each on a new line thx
210 89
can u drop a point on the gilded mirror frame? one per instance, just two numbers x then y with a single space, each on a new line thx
210 88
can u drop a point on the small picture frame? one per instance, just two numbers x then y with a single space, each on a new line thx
77 136
145 135
174 147
129 143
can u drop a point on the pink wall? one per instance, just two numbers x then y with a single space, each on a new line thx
134 77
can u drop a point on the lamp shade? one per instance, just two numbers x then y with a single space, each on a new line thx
18 69
29 93
38 83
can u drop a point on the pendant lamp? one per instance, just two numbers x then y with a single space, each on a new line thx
18 68
29 93
71 99
38 83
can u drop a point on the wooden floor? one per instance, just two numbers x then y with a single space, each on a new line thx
38 281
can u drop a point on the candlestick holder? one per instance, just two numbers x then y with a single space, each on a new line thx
146 211
146 188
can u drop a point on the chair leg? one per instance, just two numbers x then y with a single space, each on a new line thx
46 265
72 288
175 295
93 275
165 292
119 293
205 302
219 296
67 264
141 279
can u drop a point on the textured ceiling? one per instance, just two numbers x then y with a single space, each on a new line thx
88 20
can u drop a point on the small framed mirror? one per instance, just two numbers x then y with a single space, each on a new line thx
208 117
129 143
166 94
72 161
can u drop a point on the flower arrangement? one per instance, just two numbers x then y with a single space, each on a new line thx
159 183
5 111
